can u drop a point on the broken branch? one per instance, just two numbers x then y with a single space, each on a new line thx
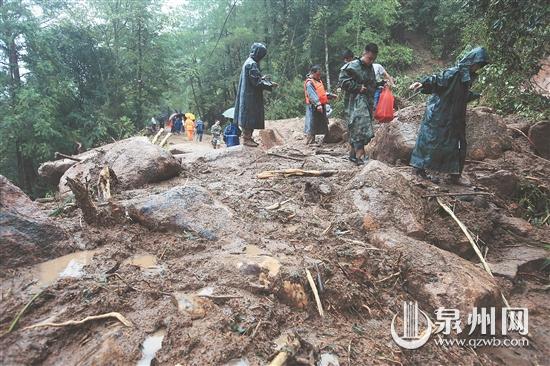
295 172
315 293
116 315
60 155
457 194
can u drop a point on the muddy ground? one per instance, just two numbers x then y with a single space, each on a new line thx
232 300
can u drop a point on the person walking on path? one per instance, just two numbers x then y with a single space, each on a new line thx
358 79
316 121
441 141
189 128
249 103
199 129
216 131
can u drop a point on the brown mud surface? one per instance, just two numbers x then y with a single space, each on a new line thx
233 298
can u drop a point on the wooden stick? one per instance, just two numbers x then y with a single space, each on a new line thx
157 136
280 360
295 172
60 155
472 242
116 315
284 156
457 194
16 320
165 139
277 205
523 133
315 293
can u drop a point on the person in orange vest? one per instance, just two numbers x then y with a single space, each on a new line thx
316 105
189 128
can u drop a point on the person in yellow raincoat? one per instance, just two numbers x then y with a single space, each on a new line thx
189 127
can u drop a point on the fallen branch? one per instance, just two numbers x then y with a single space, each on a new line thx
157 136
116 315
315 293
16 320
83 200
165 139
295 172
60 155
457 194
472 242
389 277
284 156
277 205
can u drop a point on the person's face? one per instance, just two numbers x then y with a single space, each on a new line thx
348 59
368 58
316 75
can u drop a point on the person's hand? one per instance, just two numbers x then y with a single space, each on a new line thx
415 86
274 84
363 89
320 108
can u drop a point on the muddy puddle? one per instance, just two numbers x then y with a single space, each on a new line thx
193 304
151 345
68 266
238 362
147 262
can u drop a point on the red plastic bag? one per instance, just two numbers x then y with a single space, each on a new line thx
384 109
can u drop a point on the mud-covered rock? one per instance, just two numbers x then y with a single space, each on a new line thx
384 198
336 130
437 278
539 134
26 234
189 208
486 135
514 259
135 161
515 224
503 182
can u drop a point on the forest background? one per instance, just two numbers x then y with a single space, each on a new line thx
94 71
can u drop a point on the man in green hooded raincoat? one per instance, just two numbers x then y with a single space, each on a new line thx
441 142
358 79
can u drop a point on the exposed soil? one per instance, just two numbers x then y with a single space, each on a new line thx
225 301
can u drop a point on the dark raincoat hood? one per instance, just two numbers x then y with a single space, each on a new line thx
258 51
476 56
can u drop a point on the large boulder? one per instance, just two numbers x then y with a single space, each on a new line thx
52 171
486 134
503 182
182 208
27 235
437 278
539 134
135 161
384 198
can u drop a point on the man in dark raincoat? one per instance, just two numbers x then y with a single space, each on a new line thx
316 122
441 142
249 104
358 79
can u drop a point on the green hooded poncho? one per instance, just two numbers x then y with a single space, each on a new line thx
441 142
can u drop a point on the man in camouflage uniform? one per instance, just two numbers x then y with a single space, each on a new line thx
358 79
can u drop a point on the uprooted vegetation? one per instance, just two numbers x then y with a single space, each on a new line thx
213 260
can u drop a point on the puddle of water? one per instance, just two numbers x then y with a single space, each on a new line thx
238 362
151 345
258 256
70 265
143 261
272 265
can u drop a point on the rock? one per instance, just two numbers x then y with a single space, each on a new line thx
293 294
269 138
503 182
135 161
189 208
384 198
437 278
516 258
27 235
52 171
328 359
486 134
336 130
515 224
539 134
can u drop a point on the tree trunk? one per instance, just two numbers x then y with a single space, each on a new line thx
139 107
195 97
327 70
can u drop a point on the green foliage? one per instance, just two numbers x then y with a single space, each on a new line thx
536 203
